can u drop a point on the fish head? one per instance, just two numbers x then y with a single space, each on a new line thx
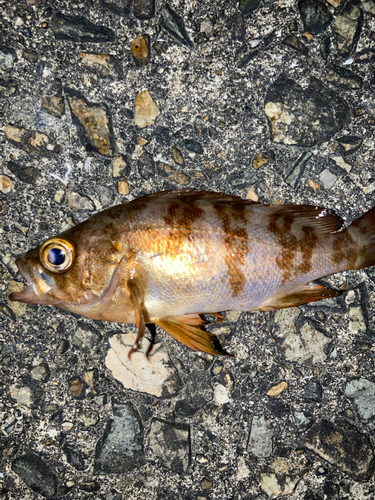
78 270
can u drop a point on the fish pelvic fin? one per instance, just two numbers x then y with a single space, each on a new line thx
140 312
186 329
362 232
298 296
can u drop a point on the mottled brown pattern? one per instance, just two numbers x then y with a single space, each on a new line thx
179 219
281 227
236 242
344 250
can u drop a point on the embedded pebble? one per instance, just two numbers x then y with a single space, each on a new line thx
313 392
260 161
260 441
292 122
6 184
40 372
77 388
93 122
37 473
327 179
347 26
120 449
344 447
101 64
221 395
30 141
276 390
175 25
362 391
144 9
54 105
146 111
315 16
297 170
78 202
357 321
348 144
78 29
292 41
140 48
344 78
123 188
170 442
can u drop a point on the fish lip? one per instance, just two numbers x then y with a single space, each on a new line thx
27 295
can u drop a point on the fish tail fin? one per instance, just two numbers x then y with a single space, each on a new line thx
362 232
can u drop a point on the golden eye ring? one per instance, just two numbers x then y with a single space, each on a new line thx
56 255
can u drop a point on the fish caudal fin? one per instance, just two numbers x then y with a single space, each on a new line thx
186 329
362 232
300 295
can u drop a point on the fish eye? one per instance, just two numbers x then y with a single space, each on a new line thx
57 255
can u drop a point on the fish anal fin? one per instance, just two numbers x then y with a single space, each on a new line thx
186 329
298 296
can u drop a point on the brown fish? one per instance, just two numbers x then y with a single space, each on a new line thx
166 258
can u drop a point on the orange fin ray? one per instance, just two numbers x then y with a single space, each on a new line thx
300 295
185 330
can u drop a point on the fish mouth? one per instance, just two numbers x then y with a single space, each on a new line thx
28 295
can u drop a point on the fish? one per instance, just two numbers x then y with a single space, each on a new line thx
170 258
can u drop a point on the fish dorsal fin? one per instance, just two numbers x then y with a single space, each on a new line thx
190 195
186 329
298 296
322 220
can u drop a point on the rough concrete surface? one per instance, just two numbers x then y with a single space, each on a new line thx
102 101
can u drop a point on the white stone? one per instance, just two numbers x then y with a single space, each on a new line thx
221 395
139 373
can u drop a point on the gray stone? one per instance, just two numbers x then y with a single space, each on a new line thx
297 170
306 345
171 443
303 422
292 41
120 449
248 6
175 25
347 27
327 179
260 442
37 474
313 392
315 16
85 338
304 116
40 372
362 391
144 9
344 78
344 447
357 320
79 29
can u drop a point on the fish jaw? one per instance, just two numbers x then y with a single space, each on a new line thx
36 289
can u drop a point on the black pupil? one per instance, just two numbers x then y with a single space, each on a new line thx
56 256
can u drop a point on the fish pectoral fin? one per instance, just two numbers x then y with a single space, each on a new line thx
186 329
140 312
300 295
